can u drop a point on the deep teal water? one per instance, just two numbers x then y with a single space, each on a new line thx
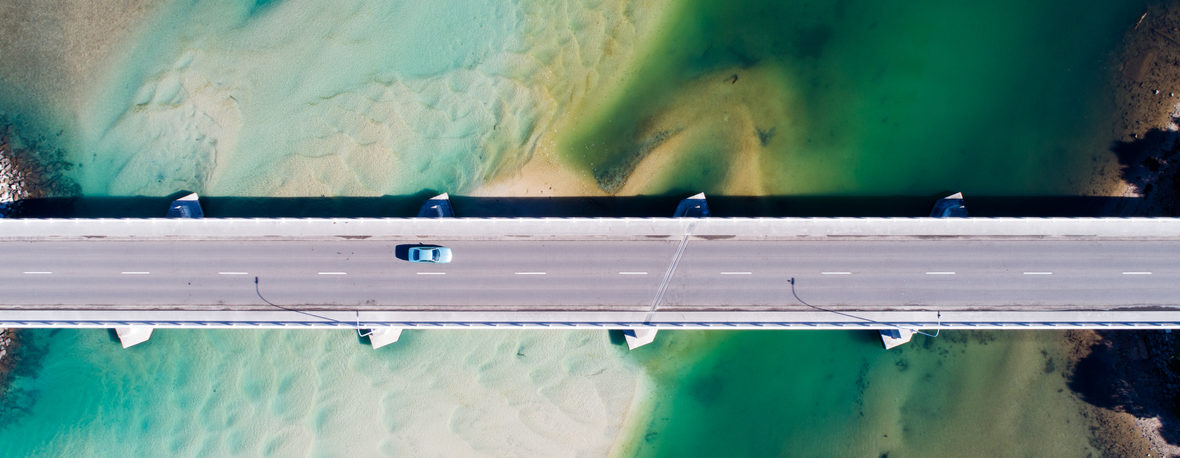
872 98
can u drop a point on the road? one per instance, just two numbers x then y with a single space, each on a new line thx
580 275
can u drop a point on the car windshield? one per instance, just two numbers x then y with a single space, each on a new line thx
434 254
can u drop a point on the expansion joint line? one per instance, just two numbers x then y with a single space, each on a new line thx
655 302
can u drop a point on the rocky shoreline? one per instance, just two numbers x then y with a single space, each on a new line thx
1147 96
12 190
1129 379
8 347
25 173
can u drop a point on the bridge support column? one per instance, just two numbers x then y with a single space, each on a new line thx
895 337
692 207
952 206
380 337
437 207
186 207
133 335
638 337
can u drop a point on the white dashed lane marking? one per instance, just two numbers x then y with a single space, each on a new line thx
940 273
632 273
835 273
432 273
737 273
1136 273
38 273
529 273
135 273
333 273
232 273
1038 273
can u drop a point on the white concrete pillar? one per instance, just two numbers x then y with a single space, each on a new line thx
385 335
638 337
134 335
894 337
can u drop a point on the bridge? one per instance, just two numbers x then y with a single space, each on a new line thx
637 274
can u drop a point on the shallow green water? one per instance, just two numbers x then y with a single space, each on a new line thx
868 97
297 98
812 393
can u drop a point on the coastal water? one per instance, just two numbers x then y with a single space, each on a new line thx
863 97
284 393
359 98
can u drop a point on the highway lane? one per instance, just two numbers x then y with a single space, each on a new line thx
945 273
593 275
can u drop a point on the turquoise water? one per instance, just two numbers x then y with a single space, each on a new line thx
279 393
283 393
360 98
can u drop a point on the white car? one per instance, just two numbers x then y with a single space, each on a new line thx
430 254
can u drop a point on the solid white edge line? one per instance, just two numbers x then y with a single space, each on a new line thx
1038 273
333 273
940 273
737 273
432 273
232 273
135 273
529 273
835 273
632 273
38 273
1136 273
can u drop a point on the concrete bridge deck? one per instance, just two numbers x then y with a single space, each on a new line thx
569 272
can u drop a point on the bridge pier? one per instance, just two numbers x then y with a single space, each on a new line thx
133 335
437 207
895 337
638 337
188 206
694 206
952 206
385 335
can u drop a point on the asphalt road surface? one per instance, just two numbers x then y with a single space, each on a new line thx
592 275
